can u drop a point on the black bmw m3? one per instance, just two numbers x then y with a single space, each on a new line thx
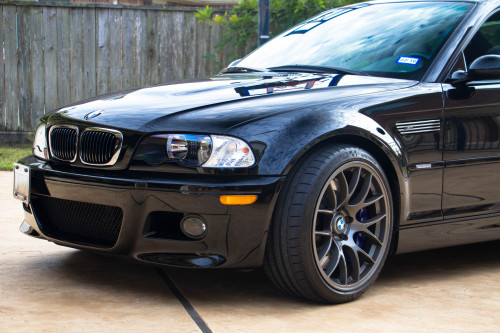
368 130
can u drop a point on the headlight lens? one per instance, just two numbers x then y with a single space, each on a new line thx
195 150
40 143
190 149
229 152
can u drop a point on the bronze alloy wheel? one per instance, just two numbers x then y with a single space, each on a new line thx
351 227
332 227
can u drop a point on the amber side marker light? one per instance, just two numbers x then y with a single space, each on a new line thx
237 199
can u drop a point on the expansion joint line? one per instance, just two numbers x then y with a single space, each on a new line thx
185 303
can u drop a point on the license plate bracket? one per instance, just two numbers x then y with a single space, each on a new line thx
22 182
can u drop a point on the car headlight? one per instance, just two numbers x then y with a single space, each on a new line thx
196 150
40 143
229 152
190 149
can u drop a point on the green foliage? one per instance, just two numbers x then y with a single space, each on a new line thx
241 22
9 155
204 15
241 25
287 13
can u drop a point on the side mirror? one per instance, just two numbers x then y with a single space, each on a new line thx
458 78
486 67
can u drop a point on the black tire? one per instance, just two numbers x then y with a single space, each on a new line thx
332 226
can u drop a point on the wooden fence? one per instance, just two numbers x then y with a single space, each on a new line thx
58 54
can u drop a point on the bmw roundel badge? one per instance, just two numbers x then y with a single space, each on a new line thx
92 115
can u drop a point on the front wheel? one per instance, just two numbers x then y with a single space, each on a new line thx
332 227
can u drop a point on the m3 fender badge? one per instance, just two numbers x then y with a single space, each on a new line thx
91 115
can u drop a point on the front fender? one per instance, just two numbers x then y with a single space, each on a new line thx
284 145
282 149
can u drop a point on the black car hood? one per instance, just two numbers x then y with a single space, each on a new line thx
183 105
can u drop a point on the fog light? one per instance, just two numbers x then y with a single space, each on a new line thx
25 228
193 227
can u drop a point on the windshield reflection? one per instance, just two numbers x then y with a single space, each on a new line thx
393 39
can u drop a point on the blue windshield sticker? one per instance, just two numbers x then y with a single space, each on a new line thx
408 61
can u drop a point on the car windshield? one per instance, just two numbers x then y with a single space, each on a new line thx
387 39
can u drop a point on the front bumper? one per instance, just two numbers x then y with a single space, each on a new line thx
236 235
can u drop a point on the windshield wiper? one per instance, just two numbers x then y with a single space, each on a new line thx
316 69
242 70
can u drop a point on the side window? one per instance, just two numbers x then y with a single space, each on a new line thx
486 40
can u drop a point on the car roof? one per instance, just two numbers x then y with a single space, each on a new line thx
401 1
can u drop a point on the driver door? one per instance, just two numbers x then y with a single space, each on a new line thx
471 181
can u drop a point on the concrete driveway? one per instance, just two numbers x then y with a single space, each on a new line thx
49 288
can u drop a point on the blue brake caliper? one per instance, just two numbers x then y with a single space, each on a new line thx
360 238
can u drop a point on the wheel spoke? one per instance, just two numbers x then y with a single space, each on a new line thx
374 220
356 226
372 237
353 183
372 199
364 225
355 263
326 211
324 233
334 262
343 270
332 188
363 193
365 255
325 249
342 190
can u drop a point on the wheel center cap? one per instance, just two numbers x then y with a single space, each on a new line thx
340 224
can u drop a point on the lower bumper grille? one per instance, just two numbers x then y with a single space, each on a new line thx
78 222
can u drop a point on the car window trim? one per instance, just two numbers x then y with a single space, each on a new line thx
442 61
471 30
